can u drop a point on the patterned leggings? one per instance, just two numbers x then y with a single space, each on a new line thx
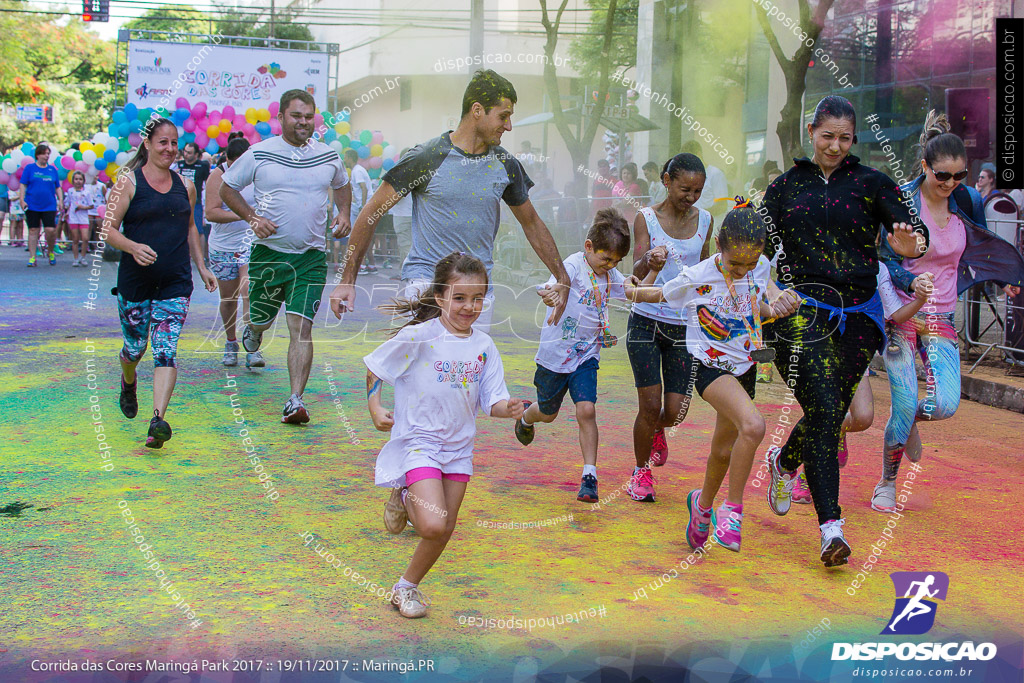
935 336
823 367
166 316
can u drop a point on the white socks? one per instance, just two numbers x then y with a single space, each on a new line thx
402 583
591 470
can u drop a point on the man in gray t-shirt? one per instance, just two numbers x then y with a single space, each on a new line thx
457 181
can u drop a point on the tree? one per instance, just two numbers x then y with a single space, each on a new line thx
579 143
231 22
184 19
794 69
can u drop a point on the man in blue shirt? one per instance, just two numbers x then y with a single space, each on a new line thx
41 195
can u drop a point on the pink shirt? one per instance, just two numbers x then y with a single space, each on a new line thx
941 260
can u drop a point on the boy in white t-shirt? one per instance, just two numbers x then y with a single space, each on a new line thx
567 360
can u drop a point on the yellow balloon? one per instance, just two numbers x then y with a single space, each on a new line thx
224 125
111 169
343 127
377 150
263 115
212 131
99 149
85 146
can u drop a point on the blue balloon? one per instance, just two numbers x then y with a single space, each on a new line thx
124 129
110 156
364 151
135 125
181 116
100 163
213 147
330 135
28 148
119 117
186 138
131 111
62 172
388 164
112 130
263 128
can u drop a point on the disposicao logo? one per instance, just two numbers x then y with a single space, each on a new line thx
914 614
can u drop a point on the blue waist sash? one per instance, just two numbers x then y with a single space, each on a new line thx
872 308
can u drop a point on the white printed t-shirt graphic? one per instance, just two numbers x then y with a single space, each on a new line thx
565 346
681 253
292 190
440 382
715 332
887 292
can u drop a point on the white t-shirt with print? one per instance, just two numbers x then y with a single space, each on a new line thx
440 382
292 190
564 347
359 178
887 292
715 332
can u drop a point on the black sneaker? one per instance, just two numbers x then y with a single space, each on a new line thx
524 433
588 489
159 431
128 400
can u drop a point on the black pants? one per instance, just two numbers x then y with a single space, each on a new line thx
823 368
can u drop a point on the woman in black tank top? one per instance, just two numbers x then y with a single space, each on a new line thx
154 208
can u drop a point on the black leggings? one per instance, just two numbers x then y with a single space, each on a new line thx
823 367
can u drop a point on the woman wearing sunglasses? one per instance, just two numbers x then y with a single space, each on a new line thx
963 253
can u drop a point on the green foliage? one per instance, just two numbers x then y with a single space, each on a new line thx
585 51
184 19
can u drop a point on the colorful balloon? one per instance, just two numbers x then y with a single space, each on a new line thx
364 151
376 150
262 114
343 127
181 103
377 137
224 125
366 137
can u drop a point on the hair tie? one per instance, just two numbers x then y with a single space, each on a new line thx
740 201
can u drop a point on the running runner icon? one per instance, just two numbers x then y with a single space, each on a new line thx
917 596
916 607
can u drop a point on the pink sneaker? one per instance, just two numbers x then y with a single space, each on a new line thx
727 521
801 494
659 449
697 529
641 485
844 451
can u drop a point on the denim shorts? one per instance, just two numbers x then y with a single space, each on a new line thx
581 384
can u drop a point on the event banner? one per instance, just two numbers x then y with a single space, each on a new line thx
242 77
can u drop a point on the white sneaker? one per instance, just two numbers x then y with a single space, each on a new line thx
780 492
884 498
255 360
410 602
294 411
834 548
75 264
230 354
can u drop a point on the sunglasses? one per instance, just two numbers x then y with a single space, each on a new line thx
943 176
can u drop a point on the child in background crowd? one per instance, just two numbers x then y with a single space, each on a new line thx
443 371
568 357
78 200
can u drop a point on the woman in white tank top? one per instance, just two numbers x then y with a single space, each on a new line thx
678 234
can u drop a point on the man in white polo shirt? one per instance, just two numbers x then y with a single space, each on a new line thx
292 174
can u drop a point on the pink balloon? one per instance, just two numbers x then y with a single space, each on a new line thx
222 139
238 122
199 110
18 172
13 184
181 103
228 112
103 177
378 138
275 126
101 210
249 129
203 123
5 177
25 161
81 166
134 139
65 184
274 108
375 162
318 120
214 117
67 162
253 137
365 163
201 139
189 125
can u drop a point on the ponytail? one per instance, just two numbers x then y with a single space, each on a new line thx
425 307
936 142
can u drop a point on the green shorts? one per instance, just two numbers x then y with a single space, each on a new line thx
295 280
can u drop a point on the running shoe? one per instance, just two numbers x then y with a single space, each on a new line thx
801 494
728 521
58 249
588 489
75 264
294 411
371 269
659 449
251 339
912 449
32 262
834 548
884 498
255 360
781 489
764 373
844 450
641 485
39 251
83 261
524 433
395 514
159 432
411 603
53 259
230 353
363 270
129 400
697 528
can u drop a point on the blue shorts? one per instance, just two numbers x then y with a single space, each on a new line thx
197 216
581 384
